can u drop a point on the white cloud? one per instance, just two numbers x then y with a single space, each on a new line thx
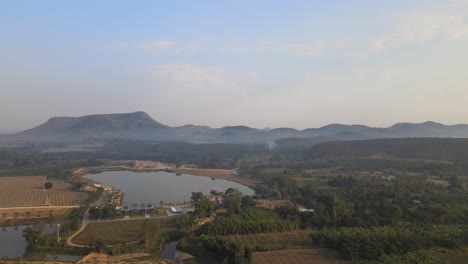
390 74
186 75
418 28
361 74
311 50
258 48
189 48
155 46
315 49
160 46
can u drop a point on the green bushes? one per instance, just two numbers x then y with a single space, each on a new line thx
250 221
374 243
223 249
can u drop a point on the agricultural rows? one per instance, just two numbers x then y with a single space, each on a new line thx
22 198
22 191
27 191
64 198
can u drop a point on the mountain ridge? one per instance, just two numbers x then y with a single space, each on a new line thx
139 125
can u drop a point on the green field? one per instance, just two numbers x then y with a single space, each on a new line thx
74 148
118 232
275 241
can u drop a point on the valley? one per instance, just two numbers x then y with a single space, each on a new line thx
254 203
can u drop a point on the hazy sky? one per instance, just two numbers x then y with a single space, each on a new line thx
258 63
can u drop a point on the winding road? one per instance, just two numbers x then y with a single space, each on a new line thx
84 223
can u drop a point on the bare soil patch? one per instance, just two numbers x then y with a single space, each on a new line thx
227 175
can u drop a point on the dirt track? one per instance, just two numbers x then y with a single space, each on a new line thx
31 214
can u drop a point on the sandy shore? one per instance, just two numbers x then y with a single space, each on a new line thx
227 175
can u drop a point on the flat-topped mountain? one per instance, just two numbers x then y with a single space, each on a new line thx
126 125
104 122
139 125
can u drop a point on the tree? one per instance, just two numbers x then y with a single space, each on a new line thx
203 206
186 221
214 192
48 185
149 230
248 200
456 183
232 200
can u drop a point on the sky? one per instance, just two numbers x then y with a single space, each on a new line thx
259 63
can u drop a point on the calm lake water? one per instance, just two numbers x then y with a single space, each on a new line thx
153 187
13 244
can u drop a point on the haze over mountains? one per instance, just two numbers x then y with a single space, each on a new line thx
139 125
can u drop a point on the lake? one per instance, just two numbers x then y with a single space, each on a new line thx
13 244
153 187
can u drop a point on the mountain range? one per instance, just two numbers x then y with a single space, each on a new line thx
139 125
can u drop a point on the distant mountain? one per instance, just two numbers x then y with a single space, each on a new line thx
104 125
139 125
447 149
57 125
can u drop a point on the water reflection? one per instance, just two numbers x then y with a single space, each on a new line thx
13 245
154 187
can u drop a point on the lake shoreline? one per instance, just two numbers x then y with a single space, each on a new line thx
154 166
154 187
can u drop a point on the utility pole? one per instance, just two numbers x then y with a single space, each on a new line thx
58 233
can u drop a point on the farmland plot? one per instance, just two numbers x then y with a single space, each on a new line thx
22 191
29 191
61 195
